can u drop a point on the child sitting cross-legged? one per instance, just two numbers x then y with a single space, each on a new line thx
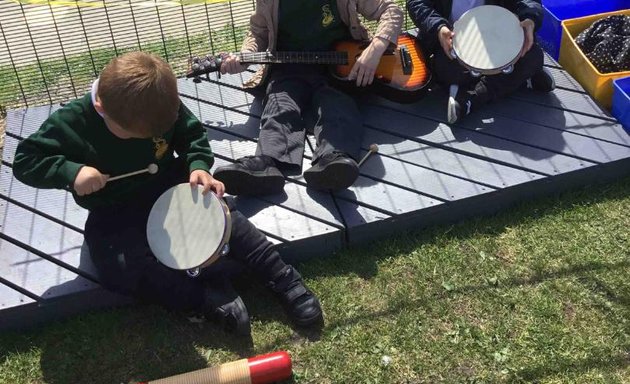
133 117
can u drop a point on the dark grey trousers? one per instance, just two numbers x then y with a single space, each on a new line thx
116 238
298 96
450 72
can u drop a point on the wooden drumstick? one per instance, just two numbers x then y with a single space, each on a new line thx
373 149
152 169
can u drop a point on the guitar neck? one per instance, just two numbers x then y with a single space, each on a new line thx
338 58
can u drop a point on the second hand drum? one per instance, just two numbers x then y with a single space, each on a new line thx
488 40
187 230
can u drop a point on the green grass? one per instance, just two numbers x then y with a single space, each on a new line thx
538 293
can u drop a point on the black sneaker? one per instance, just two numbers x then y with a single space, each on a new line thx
251 175
459 104
299 302
333 171
542 81
223 306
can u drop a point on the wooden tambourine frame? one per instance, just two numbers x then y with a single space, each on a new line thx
187 230
488 40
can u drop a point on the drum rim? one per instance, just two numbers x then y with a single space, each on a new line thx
487 71
225 237
227 233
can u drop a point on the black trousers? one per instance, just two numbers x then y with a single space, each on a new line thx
449 72
116 238
297 94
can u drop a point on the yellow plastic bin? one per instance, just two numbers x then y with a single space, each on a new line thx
598 84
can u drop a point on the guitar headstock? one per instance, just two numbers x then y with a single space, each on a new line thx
202 65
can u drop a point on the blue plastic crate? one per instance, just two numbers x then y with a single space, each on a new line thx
557 10
621 102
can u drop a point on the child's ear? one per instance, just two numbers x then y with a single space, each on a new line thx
99 106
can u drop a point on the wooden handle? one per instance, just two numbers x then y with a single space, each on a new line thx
152 169
127 175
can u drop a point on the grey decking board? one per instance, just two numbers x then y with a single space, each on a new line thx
531 151
11 298
458 165
467 141
563 142
549 61
585 125
37 275
56 203
564 80
487 122
565 99
426 181
19 121
61 244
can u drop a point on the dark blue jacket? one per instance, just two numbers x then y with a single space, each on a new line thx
430 15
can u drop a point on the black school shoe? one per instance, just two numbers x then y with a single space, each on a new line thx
252 176
333 171
462 101
542 81
223 306
299 302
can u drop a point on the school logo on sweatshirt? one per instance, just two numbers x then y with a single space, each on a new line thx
327 16
160 146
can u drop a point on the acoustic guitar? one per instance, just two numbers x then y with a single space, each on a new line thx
402 74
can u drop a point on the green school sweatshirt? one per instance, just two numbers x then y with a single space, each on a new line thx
76 135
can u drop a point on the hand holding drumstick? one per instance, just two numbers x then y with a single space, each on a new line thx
90 179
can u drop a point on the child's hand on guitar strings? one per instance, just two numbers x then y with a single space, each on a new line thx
230 63
365 67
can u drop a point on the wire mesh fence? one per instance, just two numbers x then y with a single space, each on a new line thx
51 50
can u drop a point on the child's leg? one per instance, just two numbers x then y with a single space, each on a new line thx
120 252
251 247
282 130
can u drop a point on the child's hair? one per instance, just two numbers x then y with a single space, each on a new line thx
138 91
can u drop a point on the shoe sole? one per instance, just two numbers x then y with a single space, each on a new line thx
315 319
251 184
334 177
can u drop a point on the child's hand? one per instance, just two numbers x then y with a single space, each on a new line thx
89 180
231 64
201 177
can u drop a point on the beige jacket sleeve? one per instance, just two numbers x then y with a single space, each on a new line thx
257 38
389 15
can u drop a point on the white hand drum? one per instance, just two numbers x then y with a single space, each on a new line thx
488 40
187 230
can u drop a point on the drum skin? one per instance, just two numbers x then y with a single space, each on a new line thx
186 229
488 39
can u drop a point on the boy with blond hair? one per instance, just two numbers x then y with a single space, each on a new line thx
133 117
